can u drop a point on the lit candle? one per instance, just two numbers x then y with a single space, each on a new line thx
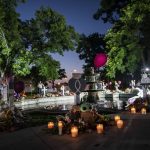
100 128
143 111
60 125
74 131
120 124
133 110
50 125
117 117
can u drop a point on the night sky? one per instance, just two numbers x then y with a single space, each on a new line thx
78 13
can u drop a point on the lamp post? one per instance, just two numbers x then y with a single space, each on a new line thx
74 70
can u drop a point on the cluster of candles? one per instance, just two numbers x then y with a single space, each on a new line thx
118 121
99 127
133 110
74 129
60 126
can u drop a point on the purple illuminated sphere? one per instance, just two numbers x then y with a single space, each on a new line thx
100 60
19 87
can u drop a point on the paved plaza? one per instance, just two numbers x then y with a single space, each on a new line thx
134 136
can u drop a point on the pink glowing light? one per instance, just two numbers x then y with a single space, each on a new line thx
100 60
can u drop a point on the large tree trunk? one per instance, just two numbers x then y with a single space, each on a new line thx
7 90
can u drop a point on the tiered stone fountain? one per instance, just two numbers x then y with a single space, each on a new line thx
91 79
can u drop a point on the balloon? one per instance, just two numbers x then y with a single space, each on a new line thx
19 86
100 60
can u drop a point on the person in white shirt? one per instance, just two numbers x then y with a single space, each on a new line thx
40 86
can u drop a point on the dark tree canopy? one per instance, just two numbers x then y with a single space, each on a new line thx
127 41
28 44
62 73
48 32
109 10
89 46
10 42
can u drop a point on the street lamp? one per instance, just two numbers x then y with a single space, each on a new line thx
74 70
146 69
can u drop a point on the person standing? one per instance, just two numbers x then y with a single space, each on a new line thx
40 87
62 90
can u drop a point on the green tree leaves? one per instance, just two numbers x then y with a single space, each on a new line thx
31 42
89 46
127 41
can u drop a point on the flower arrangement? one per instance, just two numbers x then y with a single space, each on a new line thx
83 119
